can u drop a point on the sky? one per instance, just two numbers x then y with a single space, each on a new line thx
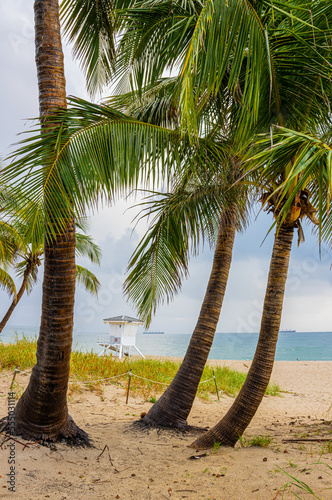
308 297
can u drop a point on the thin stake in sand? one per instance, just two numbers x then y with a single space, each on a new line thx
215 383
128 388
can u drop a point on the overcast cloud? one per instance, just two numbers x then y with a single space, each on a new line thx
309 290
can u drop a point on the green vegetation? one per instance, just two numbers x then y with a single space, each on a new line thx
92 370
296 484
273 389
327 448
263 441
216 447
20 354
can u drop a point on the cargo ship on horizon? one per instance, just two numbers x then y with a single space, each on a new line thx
154 333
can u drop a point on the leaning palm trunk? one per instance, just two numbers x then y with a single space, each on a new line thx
16 299
236 420
173 407
42 412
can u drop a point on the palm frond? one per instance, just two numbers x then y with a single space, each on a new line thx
155 38
10 244
32 280
155 103
94 155
91 28
96 151
15 231
228 38
310 161
87 279
181 220
7 283
86 247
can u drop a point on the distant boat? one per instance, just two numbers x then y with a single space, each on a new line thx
155 333
287 331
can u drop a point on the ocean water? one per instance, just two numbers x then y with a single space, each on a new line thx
303 346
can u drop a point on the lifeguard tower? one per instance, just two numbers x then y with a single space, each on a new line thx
122 336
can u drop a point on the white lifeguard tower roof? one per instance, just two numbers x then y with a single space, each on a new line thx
122 319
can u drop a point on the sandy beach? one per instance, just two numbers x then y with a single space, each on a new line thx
129 463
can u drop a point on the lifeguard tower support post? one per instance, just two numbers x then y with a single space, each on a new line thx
122 336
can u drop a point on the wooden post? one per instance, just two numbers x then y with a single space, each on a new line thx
128 387
215 383
12 384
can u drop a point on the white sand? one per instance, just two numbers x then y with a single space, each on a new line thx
150 465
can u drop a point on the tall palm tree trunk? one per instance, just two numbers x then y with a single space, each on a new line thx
18 297
238 417
42 412
173 407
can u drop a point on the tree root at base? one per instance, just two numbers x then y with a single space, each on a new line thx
70 434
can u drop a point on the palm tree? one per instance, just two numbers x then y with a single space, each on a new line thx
42 411
273 48
75 166
288 198
157 267
311 166
253 67
63 183
30 260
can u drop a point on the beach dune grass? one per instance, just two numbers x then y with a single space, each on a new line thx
20 354
149 376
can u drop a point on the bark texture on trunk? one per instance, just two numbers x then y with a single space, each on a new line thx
173 407
238 417
42 412
49 57
18 297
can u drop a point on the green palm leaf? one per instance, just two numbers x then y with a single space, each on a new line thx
310 160
87 279
86 247
95 152
156 36
155 103
275 57
227 38
181 221
7 283
10 243
90 26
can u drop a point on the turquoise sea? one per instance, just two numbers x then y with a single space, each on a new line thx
303 346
